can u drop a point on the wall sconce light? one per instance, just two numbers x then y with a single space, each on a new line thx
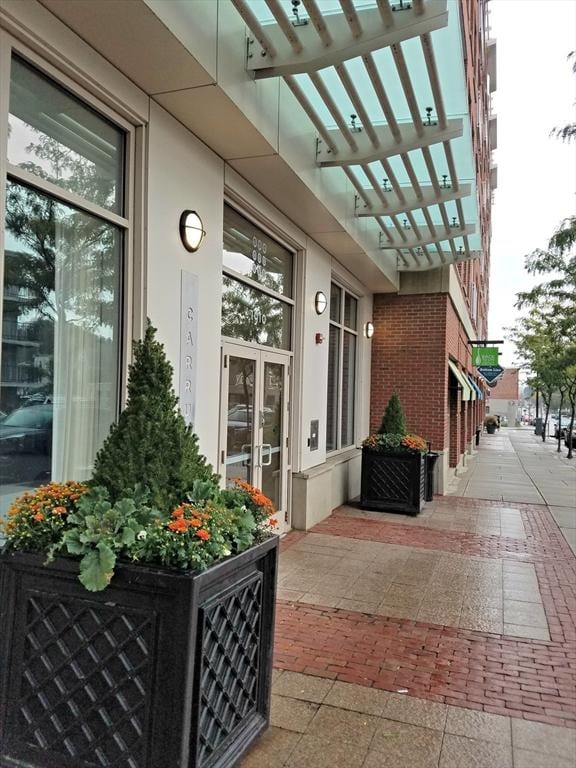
191 230
320 302
369 330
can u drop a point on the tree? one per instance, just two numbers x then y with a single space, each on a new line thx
567 132
547 337
394 421
538 339
151 443
568 363
558 263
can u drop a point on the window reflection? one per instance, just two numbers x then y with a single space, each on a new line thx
56 137
60 328
251 315
250 252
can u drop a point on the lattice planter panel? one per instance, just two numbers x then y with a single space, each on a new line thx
160 670
393 482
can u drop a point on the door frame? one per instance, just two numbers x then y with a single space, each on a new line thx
260 355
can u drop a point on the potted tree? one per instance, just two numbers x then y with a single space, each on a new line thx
491 422
393 465
146 639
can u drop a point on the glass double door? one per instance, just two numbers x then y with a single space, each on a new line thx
254 422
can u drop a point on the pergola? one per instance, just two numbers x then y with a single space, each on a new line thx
384 86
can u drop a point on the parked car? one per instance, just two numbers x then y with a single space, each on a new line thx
26 445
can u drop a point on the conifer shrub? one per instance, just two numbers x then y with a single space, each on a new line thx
394 421
151 444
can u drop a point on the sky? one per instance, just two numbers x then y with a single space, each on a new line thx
536 91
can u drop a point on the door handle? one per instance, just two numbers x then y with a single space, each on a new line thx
268 447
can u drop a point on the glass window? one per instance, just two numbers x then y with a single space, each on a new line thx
60 336
350 311
333 389
343 339
251 315
348 389
259 316
62 286
335 301
250 252
56 137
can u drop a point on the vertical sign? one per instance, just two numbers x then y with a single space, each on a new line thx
188 342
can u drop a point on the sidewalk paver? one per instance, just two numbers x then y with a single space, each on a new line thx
444 640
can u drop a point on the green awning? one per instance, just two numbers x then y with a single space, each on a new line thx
462 381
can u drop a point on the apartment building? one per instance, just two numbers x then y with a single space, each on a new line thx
297 196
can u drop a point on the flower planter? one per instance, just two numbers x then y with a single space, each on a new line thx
393 482
160 670
491 429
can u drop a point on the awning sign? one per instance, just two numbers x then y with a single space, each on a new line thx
490 372
484 356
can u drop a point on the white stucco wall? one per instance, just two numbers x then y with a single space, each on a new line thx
183 173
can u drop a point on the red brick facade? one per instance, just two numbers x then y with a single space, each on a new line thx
415 335
507 387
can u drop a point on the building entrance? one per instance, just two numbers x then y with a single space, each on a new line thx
254 422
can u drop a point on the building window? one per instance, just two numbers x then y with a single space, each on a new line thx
257 303
62 283
342 343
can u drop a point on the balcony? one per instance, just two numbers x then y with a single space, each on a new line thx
20 374
14 331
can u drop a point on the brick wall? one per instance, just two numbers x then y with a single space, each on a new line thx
507 387
414 337
409 356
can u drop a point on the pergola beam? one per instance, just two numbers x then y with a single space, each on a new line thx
366 152
448 259
412 202
410 240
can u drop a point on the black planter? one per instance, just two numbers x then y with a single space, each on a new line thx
491 429
160 670
431 459
393 482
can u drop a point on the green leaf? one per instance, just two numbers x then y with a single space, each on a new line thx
73 543
128 536
97 567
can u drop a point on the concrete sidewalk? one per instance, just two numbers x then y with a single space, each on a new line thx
446 640
515 465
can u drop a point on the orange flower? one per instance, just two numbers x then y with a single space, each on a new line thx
203 534
38 517
59 510
196 523
178 513
180 526
273 522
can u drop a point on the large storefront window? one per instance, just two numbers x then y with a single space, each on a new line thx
341 369
257 300
61 304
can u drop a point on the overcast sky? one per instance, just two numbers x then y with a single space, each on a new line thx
536 172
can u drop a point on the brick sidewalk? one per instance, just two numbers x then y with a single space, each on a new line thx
495 673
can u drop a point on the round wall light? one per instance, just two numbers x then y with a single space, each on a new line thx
191 230
369 330
320 302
